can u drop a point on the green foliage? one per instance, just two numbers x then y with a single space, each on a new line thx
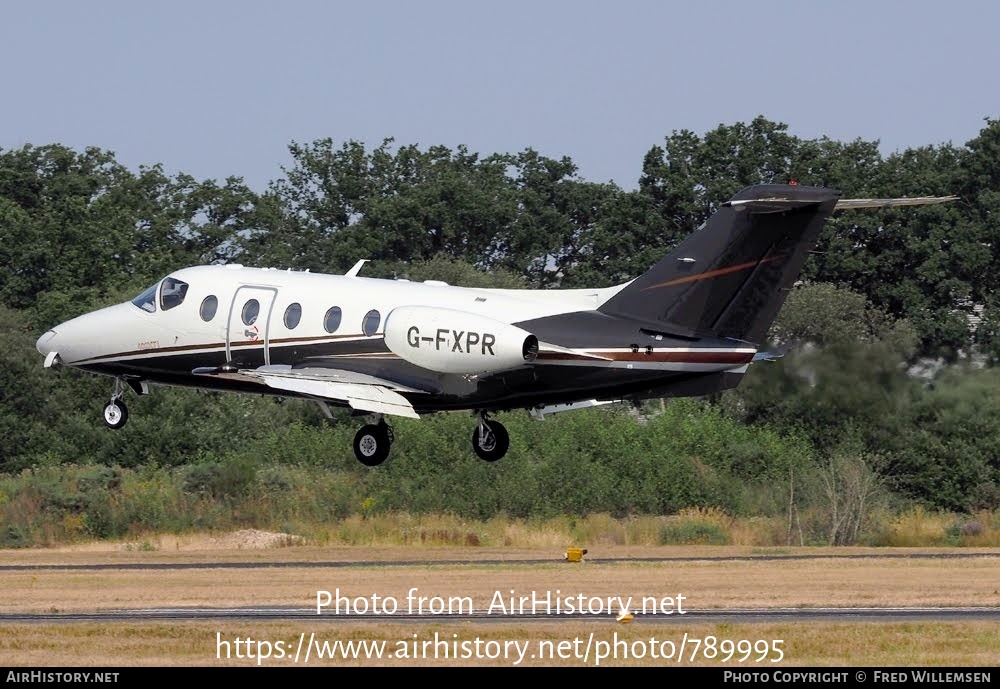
450 270
24 391
78 230
824 315
584 462
845 375
76 227
232 477
949 456
693 533
81 223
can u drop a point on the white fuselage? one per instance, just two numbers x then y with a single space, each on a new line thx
128 332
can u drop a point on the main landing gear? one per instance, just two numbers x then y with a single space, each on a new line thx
490 439
372 442
116 413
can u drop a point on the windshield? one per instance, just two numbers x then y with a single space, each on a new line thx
147 300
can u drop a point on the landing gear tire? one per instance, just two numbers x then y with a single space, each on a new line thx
372 443
115 414
490 440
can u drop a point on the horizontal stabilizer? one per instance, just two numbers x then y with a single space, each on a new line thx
763 205
850 204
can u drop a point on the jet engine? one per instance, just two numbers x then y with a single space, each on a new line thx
452 341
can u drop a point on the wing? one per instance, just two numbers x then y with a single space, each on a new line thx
359 391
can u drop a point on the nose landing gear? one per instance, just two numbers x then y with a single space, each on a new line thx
115 412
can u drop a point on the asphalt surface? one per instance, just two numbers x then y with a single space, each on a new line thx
714 615
732 615
335 564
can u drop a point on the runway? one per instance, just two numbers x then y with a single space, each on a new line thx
731 615
340 564
838 607
806 612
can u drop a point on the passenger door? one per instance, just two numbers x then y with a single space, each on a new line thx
249 321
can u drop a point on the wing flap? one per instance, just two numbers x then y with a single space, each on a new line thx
360 391
332 375
381 401
371 398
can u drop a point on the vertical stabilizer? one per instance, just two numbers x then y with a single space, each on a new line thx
730 277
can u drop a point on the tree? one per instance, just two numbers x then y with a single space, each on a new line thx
81 224
946 453
844 377
343 204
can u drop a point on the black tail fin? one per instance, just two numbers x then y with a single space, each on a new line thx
731 276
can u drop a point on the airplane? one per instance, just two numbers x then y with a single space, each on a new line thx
690 325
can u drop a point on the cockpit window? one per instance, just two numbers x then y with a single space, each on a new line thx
147 300
172 293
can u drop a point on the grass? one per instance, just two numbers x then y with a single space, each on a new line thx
54 505
860 580
972 644
692 526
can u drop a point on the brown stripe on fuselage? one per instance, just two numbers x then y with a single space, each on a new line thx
222 345
713 273
703 357
364 355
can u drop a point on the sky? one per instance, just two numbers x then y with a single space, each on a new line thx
218 87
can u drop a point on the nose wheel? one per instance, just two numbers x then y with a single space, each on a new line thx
490 439
115 412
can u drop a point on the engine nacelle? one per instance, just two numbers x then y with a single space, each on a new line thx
452 341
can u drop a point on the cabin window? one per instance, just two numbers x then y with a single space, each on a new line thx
370 324
172 293
332 319
293 314
147 300
209 306
250 311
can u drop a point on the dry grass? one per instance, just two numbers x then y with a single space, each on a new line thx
702 526
706 584
861 580
972 644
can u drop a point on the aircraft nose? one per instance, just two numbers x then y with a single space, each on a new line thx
46 343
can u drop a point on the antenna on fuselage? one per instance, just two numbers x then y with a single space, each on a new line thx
353 272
